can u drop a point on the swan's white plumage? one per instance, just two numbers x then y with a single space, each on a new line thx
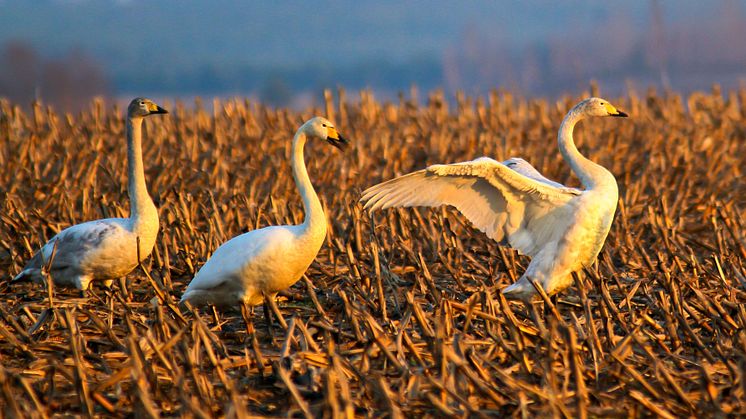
263 262
561 228
502 203
248 266
523 167
105 249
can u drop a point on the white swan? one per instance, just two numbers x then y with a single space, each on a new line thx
561 228
103 250
257 265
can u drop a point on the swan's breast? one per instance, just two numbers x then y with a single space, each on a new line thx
594 217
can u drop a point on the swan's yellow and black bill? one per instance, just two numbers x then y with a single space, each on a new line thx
335 139
153 108
614 111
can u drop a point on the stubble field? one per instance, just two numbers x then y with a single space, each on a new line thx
399 315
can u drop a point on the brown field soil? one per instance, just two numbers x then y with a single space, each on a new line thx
399 315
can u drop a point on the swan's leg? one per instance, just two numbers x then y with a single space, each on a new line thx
276 310
550 306
247 312
268 318
270 303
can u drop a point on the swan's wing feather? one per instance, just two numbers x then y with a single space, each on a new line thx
501 202
525 168
79 242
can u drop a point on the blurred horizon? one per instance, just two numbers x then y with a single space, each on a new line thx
285 54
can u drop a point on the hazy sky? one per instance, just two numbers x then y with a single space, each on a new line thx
273 32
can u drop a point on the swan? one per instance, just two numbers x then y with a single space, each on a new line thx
562 229
103 250
258 264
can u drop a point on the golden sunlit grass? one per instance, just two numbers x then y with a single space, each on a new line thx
398 315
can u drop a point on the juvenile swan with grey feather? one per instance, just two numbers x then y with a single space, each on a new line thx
103 250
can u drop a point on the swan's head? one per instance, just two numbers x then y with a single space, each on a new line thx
596 106
141 107
323 129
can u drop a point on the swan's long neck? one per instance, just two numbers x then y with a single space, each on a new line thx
141 205
591 175
315 221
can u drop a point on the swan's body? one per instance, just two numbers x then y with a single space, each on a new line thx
103 250
561 228
260 263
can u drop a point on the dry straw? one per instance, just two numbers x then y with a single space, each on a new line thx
398 315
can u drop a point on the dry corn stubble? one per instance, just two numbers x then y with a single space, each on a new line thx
398 313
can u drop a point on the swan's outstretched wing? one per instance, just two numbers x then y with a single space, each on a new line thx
503 203
523 167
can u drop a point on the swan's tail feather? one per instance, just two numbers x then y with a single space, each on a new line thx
28 274
520 290
32 270
198 298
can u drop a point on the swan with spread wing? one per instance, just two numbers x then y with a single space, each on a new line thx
562 229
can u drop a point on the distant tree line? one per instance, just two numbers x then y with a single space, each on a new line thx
67 82
278 85
681 56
